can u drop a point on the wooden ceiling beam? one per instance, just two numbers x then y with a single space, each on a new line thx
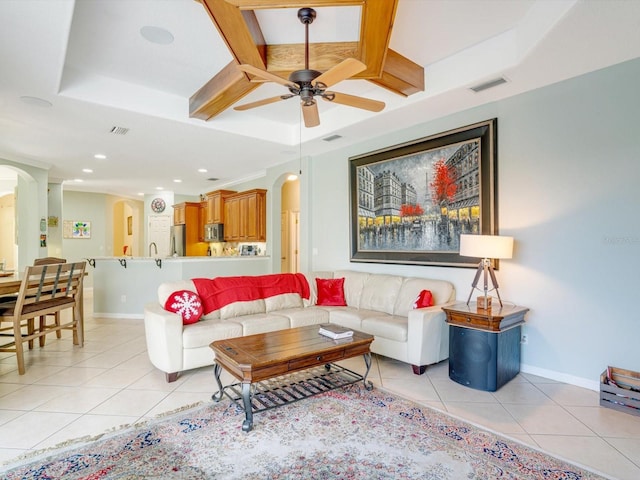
400 75
284 59
261 4
375 33
239 30
242 34
220 93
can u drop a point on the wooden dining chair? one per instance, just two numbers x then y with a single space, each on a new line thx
56 315
45 290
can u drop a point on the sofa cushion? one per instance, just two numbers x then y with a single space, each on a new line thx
388 326
187 304
204 332
442 291
350 317
313 288
353 285
167 288
301 317
380 292
239 309
330 292
281 302
262 322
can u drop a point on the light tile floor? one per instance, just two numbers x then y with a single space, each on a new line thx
69 392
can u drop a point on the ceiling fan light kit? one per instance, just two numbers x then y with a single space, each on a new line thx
308 84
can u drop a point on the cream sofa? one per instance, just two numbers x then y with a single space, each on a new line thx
378 304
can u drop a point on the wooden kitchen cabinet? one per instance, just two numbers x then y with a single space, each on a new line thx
202 220
189 215
215 205
245 216
179 217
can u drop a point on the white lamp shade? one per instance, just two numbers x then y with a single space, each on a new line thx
486 246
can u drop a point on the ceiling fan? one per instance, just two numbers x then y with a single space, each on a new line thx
308 84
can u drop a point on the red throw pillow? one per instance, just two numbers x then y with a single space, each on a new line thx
425 299
185 303
331 292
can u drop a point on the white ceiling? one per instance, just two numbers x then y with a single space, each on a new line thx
88 59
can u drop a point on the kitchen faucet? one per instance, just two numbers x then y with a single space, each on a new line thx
154 246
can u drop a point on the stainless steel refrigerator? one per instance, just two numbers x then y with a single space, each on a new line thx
179 240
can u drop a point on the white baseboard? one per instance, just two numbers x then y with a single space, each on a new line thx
127 316
561 377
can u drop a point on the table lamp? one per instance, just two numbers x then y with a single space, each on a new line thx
485 247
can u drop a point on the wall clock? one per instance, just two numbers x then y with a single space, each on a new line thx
158 205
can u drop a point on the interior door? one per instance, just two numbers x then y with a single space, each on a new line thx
160 234
284 242
294 242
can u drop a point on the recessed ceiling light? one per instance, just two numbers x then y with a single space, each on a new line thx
177 180
159 188
36 101
78 180
292 177
100 156
202 170
141 194
158 35
87 170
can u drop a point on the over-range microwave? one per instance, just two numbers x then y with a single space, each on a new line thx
213 232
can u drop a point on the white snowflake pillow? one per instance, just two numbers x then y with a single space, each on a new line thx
185 303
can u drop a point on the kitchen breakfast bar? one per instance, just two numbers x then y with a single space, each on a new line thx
123 285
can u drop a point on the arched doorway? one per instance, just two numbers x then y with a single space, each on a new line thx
8 246
127 235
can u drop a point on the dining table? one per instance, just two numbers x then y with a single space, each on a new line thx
9 283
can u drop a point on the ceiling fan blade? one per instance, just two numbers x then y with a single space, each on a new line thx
345 69
310 114
259 103
264 74
353 101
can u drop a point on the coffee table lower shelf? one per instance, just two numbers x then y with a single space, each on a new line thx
282 390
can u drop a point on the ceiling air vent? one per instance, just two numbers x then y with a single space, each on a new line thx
119 130
490 84
331 138
213 179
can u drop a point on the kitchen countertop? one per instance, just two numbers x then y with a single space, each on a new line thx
183 259
123 285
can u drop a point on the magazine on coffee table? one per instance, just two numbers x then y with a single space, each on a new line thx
335 331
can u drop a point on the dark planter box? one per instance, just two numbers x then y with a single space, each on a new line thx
624 394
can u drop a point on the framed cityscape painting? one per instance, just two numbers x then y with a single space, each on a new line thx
410 203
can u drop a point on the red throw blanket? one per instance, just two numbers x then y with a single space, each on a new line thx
217 292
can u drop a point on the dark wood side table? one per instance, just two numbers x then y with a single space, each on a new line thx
484 345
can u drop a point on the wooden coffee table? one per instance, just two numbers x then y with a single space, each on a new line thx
266 364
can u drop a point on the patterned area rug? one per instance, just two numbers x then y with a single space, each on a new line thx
348 433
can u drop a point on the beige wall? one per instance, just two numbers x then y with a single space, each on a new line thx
7 230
